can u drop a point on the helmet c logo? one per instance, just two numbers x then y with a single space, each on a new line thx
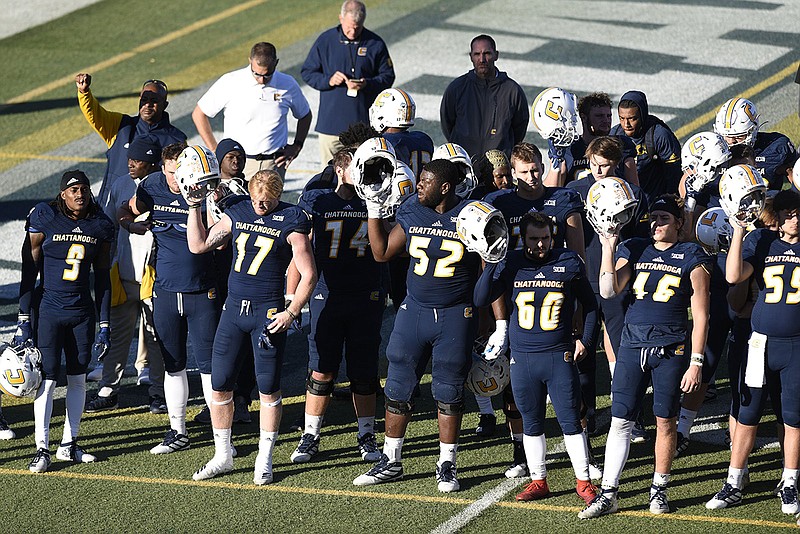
709 219
696 147
15 380
553 111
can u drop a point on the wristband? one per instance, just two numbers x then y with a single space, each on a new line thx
697 359
104 324
293 316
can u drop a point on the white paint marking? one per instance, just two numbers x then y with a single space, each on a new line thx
460 520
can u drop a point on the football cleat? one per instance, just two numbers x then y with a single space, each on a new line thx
214 468
383 471
173 442
682 444
446 477
458 155
586 490
72 452
40 462
308 447
605 503
203 416
536 489
392 108
101 404
197 173
20 370
610 205
519 466
788 495
241 410
262 474
368 448
725 498
638 433
737 121
554 115
5 431
486 425
658 500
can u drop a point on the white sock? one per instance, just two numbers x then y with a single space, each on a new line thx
618 445
535 451
447 453
611 367
660 479
685 421
366 425
789 477
266 444
76 398
516 437
176 393
222 444
578 450
735 477
313 424
393 447
484 405
208 391
42 412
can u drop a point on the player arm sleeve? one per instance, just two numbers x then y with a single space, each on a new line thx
31 249
490 286
105 123
585 295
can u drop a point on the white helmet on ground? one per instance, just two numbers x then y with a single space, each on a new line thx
714 231
197 173
459 156
742 193
372 169
20 370
610 205
487 378
404 184
555 116
738 118
393 108
706 155
226 190
482 229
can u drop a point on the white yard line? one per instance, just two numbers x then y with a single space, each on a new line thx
460 520
19 16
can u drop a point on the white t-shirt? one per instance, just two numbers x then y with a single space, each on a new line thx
255 114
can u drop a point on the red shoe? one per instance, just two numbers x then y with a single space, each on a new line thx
537 489
586 490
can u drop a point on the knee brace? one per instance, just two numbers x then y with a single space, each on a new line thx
451 408
399 407
359 386
322 388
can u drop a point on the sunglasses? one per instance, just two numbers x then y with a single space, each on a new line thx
156 82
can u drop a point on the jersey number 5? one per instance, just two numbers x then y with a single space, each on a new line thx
443 268
774 281
75 256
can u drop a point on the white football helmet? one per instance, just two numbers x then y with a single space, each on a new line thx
555 116
226 189
20 370
404 184
714 231
487 378
460 157
796 174
742 193
393 108
482 228
372 169
738 117
706 155
610 205
197 173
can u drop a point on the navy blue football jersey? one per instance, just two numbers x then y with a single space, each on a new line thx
341 244
558 203
638 226
708 196
662 291
541 298
261 253
578 164
776 268
69 248
414 148
442 273
772 150
177 269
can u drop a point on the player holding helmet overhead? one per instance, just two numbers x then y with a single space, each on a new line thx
540 286
65 240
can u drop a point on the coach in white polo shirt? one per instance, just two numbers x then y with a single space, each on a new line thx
256 101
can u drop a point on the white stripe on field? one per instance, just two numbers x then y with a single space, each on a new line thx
460 520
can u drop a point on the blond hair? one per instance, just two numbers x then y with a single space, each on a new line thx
266 182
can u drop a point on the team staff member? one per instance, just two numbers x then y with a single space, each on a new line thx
434 321
65 240
540 285
666 276
184 297
267 235
118 129
256 101
349 66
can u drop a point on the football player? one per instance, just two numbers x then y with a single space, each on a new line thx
435 318
738 122
184 295
346 311
492 172
267 234
391 115
6 432
540 286
666 276
773 363
65 239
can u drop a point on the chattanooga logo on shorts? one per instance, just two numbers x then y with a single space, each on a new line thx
468 312
375 296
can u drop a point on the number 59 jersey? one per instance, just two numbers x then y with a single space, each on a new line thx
69 248
261 253
442 273
662 291
776 269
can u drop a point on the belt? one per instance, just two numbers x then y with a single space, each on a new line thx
266 157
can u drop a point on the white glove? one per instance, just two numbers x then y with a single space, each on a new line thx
375 210
498 341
